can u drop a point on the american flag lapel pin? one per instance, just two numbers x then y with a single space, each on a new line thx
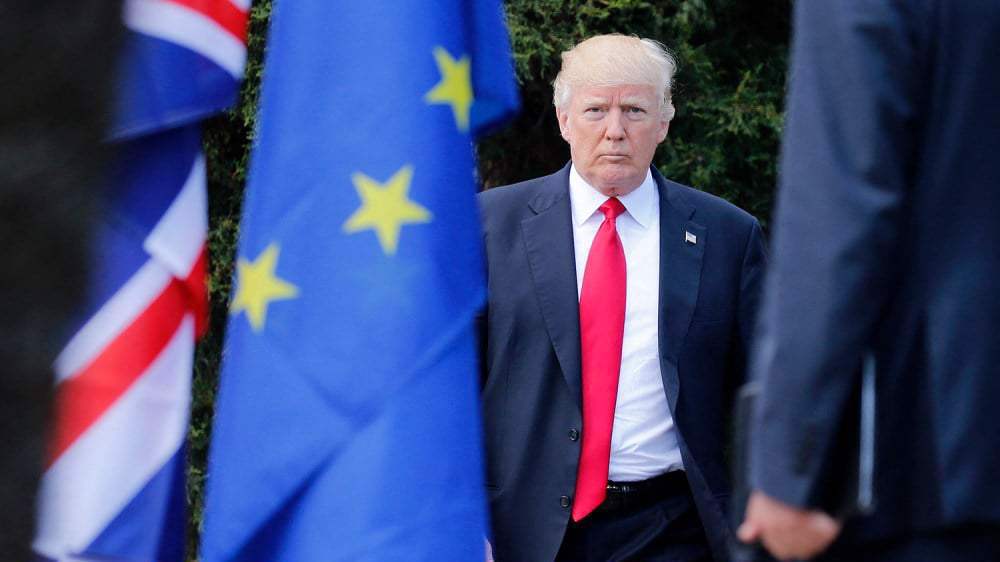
690 238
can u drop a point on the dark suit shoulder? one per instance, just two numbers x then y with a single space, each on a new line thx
522 199
709 209
506 195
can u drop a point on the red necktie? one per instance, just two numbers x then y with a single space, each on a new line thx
602 327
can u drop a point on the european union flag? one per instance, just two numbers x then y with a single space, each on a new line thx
347 423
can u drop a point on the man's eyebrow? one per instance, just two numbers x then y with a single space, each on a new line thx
638 101
594 100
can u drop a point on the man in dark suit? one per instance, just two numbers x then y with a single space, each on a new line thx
59 60
620 308
887 242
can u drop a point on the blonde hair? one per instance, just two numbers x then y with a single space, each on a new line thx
612 60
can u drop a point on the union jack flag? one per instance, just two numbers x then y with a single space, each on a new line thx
113 487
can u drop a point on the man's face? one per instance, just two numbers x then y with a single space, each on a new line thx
612 133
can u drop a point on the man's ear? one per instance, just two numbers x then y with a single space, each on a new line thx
563 117
666 117
664 127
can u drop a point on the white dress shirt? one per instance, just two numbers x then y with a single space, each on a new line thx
644 438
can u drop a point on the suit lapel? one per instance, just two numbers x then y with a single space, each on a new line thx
682 246
548 240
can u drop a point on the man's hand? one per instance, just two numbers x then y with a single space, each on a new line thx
787 532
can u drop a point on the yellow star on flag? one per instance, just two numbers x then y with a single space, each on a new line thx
455 87
385 208
258 286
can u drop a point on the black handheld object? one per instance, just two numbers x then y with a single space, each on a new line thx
847 487
745 404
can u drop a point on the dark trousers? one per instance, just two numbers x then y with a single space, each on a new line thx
662 528
962 544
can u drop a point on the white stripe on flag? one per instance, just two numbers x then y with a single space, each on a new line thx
118 313
178 237
187 28
112 461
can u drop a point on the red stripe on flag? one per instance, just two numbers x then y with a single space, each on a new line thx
197 289
223 12
81 400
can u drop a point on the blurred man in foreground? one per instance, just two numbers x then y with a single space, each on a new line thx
886 242
55 102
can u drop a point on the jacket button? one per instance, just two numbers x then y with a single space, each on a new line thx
564 501
574 434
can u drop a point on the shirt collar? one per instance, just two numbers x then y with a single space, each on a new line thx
586 200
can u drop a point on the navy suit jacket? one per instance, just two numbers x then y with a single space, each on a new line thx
532 404
887 241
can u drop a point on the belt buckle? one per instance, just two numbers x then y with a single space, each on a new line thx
623 488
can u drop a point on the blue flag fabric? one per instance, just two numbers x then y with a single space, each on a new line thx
347 423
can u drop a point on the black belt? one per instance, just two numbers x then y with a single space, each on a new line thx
632 495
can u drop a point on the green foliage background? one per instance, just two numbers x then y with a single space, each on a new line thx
724 139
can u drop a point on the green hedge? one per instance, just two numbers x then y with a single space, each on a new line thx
724 139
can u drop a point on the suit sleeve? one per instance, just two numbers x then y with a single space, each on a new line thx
482 317
749 293
751 287
846 159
